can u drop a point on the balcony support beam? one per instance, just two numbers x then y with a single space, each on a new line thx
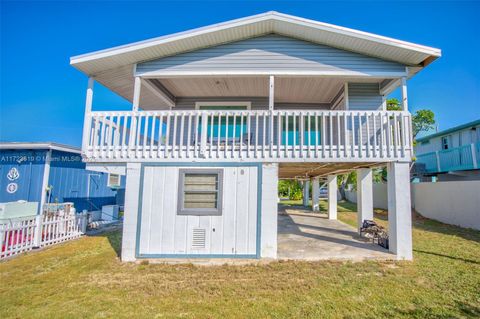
306 193
364 195
136 93
88 110
404 94
399 210
332 196
315 194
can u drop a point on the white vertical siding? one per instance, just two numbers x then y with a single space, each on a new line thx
163 232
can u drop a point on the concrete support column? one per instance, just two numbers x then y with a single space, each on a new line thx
315 195
132 191
268 245
399 210
364 195
306 193
332 196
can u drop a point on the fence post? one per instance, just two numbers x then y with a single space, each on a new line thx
37 239
83 222
438 161
2 237
474 156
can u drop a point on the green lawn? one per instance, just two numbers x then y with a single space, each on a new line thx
84 278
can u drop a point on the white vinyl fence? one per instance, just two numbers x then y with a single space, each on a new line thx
23 234
455 203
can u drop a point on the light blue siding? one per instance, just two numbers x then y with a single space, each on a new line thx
270 53
30 165
364 96
69 179
73 183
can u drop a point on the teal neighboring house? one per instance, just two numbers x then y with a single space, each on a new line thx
451 154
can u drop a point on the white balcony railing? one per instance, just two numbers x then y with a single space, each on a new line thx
278 135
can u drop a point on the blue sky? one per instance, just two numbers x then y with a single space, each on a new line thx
42 98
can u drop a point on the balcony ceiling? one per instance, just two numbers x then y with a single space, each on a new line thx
288 90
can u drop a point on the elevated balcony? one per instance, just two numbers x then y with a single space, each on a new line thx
465 157
266 136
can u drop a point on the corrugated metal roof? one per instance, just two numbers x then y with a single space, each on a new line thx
450 130
114 67
39 146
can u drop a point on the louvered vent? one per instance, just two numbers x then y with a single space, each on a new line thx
198 238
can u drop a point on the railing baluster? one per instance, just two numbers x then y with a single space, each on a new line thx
345 135
218 134
145 135
316 135
232 155
367 118
167 136
330 121
160 135
286 135
241 136
189 134
294 134
152 135
279 133
180 142
337 115
360 135
226 136
395 134
264 139
352 121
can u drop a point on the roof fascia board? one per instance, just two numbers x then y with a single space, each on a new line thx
167 38
39 146
450 130
359 34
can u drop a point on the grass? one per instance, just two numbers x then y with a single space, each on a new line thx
84 278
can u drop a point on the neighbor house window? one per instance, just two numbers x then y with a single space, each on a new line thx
200 192
113 180
445 144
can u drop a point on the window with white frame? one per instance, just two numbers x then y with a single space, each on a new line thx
113 180
200 192
445 143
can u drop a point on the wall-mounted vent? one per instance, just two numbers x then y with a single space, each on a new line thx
198 238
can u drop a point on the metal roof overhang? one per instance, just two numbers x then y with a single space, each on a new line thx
114 67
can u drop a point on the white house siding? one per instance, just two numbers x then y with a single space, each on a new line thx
266 54
456 139
163 232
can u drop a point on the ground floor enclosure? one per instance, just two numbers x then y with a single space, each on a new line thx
200 211
230 210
